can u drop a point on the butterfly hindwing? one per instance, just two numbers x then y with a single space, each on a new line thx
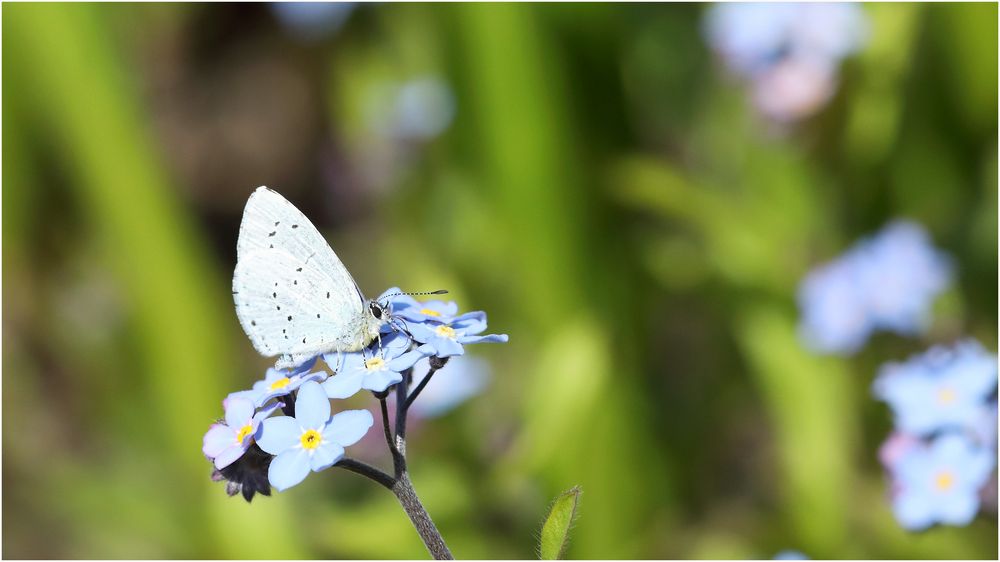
289 307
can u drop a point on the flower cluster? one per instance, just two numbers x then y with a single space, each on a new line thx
886 282
253 450
789 52
943 450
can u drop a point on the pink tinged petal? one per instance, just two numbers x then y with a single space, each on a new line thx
325 456
312 406
238 412
344 385
217 439
347 428
230 455
288 469
279 434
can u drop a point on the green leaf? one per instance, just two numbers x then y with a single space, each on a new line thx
555 530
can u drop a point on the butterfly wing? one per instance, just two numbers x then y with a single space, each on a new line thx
288 307
271 222
293 295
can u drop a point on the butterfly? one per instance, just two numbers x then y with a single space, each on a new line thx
294 297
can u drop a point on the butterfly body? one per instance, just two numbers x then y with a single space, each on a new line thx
294 298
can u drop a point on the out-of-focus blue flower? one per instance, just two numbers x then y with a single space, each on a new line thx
416 110
312 440
940 483
789 51
312 21
276 383
885 282
224 443
790 555
984 427
900 273
940 389
373 369
462 378
446 340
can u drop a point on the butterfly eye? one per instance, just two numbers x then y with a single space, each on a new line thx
376 310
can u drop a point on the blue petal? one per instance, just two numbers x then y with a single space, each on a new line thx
325 456
447 347
334 360
408 359
913 511
238 412
491 338
230 455
344 385
279 434
959 508
288 469
422 333
348 427
378 381
312 407
352 362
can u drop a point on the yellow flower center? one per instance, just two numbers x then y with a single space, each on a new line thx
375 364
244 431
429 312
944 481
445 331
946 396
311 439
280 383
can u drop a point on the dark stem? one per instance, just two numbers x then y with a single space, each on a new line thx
368 471
404 491
398 462
420 387
401 391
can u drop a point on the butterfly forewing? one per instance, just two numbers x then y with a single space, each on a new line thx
270 222
289 307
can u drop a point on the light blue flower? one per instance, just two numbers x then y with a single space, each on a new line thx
940 483
900 272
277 383
460 379
224 443
790 555
409 309
448 339
885 282
375 369
312 21
790 52
312 440
834 319
940 389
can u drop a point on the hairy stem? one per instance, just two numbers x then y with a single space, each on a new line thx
407 496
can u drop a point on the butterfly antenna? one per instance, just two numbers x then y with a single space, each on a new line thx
437 292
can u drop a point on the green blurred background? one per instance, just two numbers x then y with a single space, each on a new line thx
604 191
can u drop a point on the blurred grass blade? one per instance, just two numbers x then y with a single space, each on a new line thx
555 530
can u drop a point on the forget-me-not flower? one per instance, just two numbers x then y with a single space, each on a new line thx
446 340
940 483
375 369
790 52
226 442
940 389
277 383
312 440
885 282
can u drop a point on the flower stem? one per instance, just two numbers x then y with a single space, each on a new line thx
368 471
407 496
416 391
